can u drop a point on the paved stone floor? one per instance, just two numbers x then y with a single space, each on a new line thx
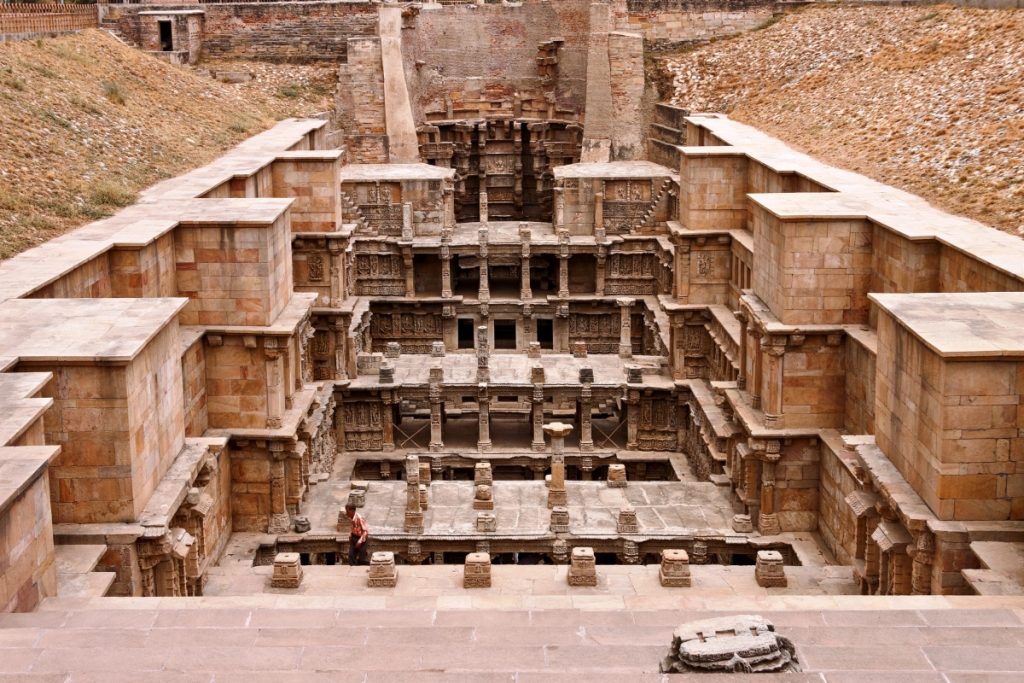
287 638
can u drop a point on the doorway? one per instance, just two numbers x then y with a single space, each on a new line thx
546 333
505 334
466 335
166 36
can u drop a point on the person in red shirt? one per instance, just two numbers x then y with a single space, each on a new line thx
357 551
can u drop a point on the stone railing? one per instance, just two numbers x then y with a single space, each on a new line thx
19 19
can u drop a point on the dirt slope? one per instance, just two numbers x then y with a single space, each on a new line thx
929 99
86 122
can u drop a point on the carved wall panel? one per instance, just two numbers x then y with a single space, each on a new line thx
362 425
657 424
600 331
635 274
379 275
416 332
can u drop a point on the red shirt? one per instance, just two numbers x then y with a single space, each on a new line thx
359 527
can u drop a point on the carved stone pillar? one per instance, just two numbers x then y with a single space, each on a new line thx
559 207
923 556
436 406
774 349
410 279
586 426
274 358
741 381
340 330
446 263
387 425
755 390
602 260
537 417
625 331
485 287
556 490
768 520
598 211
484 205
586 468
279 519
483 443
872 559
525 292
337 270
632 419
408 230
563 264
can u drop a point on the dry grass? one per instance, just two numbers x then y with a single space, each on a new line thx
929 99
86 123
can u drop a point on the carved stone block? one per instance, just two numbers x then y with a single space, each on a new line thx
675 569
770 570
617 476
634 375
533 350
586 375
287 571
423 496
437 349
477 571
392 350
582 567
734 644
700 553
627 522
579 349
486 521
482 473
383 572
387 374
741 524
483 497
560 519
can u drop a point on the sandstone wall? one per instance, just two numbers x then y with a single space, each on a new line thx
667 23
27 573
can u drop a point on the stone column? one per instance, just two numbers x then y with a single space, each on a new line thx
768 520
274 359
559 207
598 212
279 519
773 350
586 405
484 206
741 380
483 355
872 558
682 267
485 287
563 264
632 419
755 390
436 405
525 292
387 426
413 505
537 409
483 443
340 348
446 263
625 331
408 230
556 491
602 260
337 271
410 278
923 556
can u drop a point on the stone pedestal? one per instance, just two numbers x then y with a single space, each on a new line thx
437 349
675 569
533 350
287 571
579 349
741 524
392 350
627 523
482 473
423 496
477 572
486 521
483 497
383 573
700 553
357 497
582 568
616 476
424 472
557 494
770 571
560 519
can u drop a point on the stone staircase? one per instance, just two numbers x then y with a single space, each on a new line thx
647 220
352 213
76 577
112 28
492 635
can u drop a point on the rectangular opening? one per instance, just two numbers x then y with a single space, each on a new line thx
505 334
546 333
166 35
466 333
427 269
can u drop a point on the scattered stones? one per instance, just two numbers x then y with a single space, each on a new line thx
770 570
287 571
486 521
627 522
477 571
742 524
735 644
383 572
675 569
616 476
582 569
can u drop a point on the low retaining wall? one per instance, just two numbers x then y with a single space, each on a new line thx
22 21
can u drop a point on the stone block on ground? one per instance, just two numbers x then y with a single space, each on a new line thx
742 524
734 644
582 567
616 476
675 568
383 572
477 572
287 571
770 570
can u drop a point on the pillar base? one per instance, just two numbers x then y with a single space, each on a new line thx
587 446
483 446
557 497
280 523
772 421
625 351
413 522
768 524
388 447
538 447
436 447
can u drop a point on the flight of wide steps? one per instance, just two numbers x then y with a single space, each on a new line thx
282 637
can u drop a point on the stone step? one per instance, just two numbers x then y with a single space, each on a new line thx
78 558
87 585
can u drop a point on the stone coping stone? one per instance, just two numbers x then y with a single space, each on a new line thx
20 467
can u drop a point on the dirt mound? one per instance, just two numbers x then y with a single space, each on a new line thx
86 122
929 99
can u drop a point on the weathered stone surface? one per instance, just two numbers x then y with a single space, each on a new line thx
739 644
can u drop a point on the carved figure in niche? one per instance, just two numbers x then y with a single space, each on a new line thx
705 265
315 264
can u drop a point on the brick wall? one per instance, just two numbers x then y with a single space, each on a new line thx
666 23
